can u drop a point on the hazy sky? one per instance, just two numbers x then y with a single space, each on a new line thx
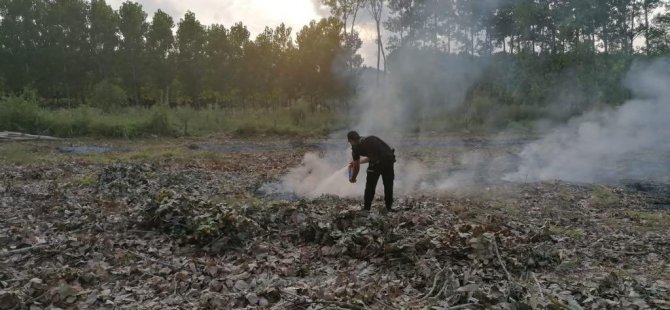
255 14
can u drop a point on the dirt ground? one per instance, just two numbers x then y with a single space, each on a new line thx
181 225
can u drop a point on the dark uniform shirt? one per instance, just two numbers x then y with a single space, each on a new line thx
375 149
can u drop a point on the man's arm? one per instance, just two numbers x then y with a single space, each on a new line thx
356 167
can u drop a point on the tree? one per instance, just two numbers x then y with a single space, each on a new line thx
68 50
239 39
103 34
377 11
346 10
133 29
160 46
659 35
191 38
320 45
22 42
648 6
218 55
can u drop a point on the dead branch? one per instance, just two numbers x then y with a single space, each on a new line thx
145 257
495 247
22 250
326 302
538 284
432 290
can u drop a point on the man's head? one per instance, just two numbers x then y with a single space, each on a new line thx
353 137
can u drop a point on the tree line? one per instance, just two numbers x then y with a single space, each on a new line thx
532 50
73 52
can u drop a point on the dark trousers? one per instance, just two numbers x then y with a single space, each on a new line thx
385 170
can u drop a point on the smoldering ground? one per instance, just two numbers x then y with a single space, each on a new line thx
631 141
605 145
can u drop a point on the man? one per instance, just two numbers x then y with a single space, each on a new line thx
381 158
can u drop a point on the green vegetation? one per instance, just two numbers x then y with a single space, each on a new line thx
648 218
603 197
24 114
86 69
20 153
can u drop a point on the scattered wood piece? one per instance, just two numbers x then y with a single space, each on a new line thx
539 287
432 290
145 257
22 250
502 264
326 302
18 136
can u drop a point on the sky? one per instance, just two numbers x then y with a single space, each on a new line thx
256 14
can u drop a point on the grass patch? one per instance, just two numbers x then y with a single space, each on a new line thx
603 197
87 180
21 153
25 115
648 218
508 208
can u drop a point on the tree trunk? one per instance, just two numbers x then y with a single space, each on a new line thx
379 50
605 38
632 29
472 41
646 27
448 42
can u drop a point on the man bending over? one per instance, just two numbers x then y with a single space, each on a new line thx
381 158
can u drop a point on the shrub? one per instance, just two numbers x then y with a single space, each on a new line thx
157 124
108 96
299 112
19 114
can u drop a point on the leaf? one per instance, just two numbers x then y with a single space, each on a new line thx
241 286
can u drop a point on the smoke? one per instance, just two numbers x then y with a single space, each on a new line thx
317 176
425 89
611 145
615 144
419 85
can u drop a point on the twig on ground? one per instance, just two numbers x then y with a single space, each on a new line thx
380 301
538 284
145 257
327 302
441 290
451 280
495 247
22 250
459 306
432 290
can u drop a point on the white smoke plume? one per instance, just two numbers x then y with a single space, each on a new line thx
418 86
612 145
318 176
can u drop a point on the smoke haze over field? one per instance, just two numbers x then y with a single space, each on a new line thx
631 141
626 142
419 86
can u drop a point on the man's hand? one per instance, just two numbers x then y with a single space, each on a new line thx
354 166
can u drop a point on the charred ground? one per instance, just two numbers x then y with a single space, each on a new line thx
181 224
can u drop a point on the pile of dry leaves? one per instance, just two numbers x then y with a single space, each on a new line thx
195 235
